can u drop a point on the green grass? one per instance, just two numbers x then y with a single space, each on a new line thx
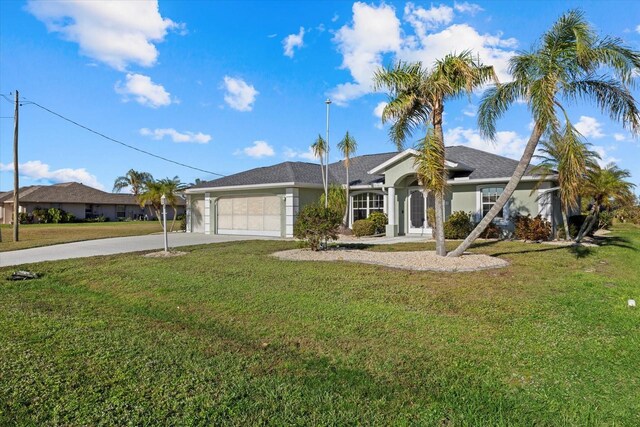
33 235
229 335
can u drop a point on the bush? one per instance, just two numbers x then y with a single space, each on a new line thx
337 199
25 218
458 225
100 218
315 223
40 215
55 215
183 221
491 232
379 219
605 220
535 229
363 227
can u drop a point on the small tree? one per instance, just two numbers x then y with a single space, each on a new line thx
348 147
337 200
316 224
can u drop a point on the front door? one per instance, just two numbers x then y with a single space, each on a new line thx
417 212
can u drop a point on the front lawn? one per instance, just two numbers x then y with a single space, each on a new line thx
229 335
32 235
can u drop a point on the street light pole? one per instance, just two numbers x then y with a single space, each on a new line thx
163 201
326 181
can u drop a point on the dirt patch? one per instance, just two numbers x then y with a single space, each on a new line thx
163 254
415 260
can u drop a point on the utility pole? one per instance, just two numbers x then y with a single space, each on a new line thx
326 181
16 183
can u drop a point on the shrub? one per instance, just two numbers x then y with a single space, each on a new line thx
25 218
315 223
379 220
535 229
573 231
458 225
337 199
491 232
100 218
363 227
605 220
40 215
54 215
183 221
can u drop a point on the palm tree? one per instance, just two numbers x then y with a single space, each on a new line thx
154 192
348 147
171 189
605 186
319 149
417 96
566 154
562 67
134 179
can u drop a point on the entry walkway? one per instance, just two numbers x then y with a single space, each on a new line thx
116 245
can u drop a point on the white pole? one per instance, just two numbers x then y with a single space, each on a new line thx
326 181
164 223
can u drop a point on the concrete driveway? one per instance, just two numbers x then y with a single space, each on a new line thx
116 245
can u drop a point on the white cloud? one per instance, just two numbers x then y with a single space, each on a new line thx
375 30
293 41
466 7
240 95
638 29
427 19
158 134
144 91
470 110
619 137
336 17
290 153
589 127
117 33
491 49
605 158
36 170
257 150
378 113
507 143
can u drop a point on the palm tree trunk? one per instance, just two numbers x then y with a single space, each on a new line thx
345 219
587 225
506 194
324 182
565 222
438 234
175 214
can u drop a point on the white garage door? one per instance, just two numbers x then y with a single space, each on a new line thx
259 216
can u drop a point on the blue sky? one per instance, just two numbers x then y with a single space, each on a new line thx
229 85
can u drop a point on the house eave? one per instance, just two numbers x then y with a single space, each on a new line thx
251 187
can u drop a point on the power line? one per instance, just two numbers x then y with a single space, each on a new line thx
28 102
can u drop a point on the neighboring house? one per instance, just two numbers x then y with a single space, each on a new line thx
265 201
82 201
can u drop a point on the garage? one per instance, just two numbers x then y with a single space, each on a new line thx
255 215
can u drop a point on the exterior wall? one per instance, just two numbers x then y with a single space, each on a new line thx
78 210
399 171
204 205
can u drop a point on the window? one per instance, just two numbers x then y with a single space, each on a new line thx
489 197
364 204
88 211
120 211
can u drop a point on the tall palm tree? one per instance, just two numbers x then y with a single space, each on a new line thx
319 149
562 67
566 154
417 96
133 179
348 147
605 186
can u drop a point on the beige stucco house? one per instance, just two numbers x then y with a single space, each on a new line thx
265 201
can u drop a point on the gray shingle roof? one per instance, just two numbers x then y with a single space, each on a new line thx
70 192
475 164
